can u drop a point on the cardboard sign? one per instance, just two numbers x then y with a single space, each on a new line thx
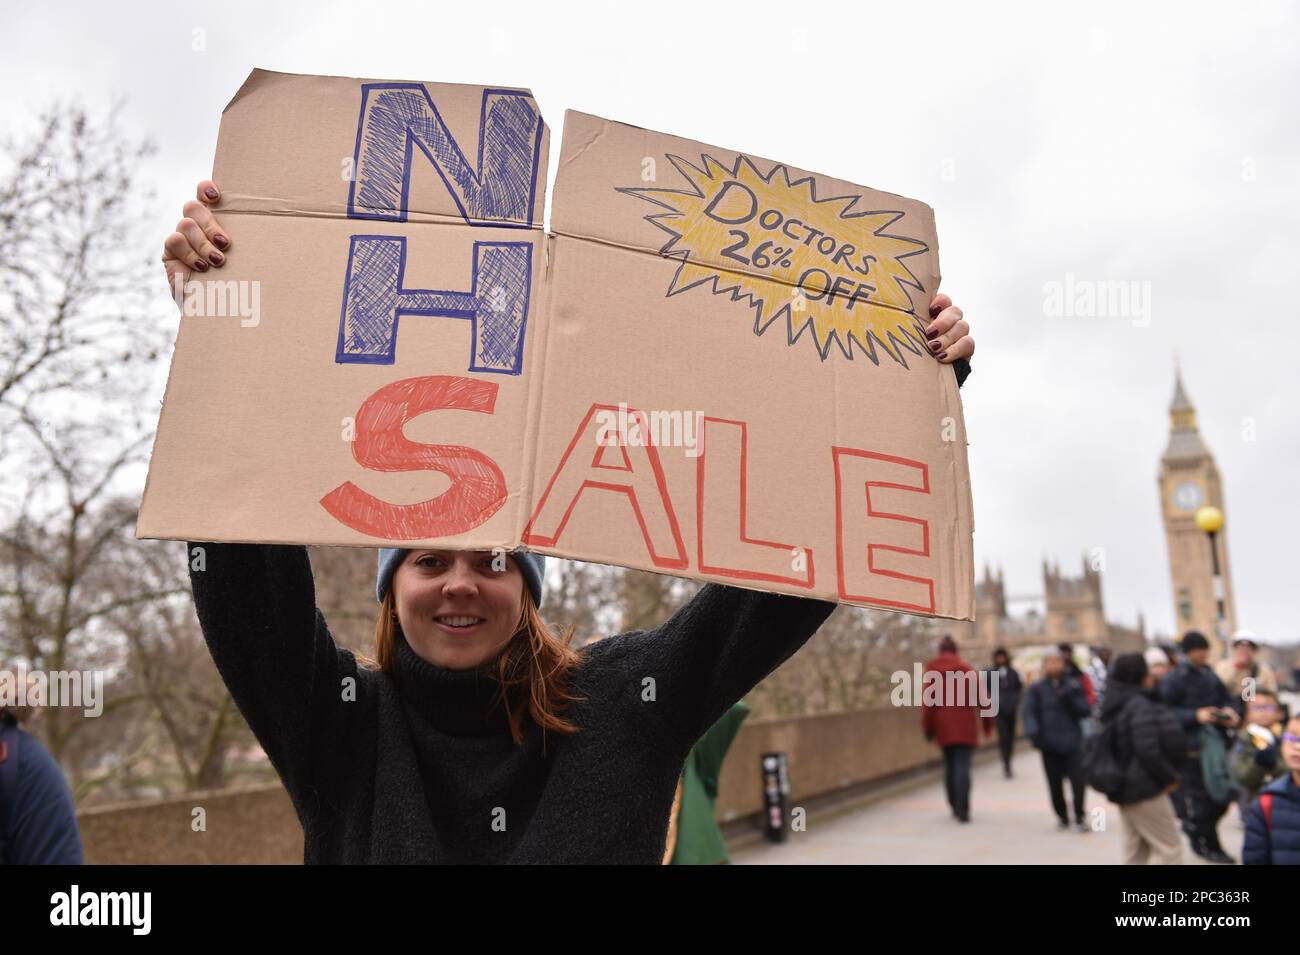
714 367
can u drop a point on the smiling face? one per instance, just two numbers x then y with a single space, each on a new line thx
458 609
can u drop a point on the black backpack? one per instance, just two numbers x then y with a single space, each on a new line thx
1101 765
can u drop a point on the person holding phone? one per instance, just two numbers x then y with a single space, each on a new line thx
1199 699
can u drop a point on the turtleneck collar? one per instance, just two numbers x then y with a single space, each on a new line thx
457 702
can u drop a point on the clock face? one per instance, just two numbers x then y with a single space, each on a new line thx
1187 496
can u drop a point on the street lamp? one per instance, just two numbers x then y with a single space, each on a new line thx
1210 520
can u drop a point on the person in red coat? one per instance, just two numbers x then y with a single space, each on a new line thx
950 705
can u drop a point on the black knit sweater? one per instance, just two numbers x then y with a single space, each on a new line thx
422 768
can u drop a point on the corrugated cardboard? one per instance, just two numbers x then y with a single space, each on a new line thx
714 367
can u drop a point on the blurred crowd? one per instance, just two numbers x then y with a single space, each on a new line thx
1170 737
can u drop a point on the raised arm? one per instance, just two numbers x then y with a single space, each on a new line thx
257 607
714 650
257 603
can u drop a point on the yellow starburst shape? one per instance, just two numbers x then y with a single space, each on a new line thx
801 262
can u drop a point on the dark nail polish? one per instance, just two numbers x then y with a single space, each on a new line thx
201 265
932 333
943 356
935 346
211 193
216 258
220 241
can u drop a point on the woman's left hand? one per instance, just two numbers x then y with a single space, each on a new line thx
948 331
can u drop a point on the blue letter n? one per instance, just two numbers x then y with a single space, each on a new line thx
498 188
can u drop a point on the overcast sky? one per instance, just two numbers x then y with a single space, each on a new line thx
1133 142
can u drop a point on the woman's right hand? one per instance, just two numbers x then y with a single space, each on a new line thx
199 243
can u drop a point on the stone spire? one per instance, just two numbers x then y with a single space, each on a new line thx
1184 438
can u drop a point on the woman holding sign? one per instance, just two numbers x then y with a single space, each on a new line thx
477 734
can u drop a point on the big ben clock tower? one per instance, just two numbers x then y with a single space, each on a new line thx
1189 480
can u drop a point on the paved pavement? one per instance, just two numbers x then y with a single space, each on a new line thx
1011 822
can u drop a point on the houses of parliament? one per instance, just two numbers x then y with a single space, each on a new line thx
1073 609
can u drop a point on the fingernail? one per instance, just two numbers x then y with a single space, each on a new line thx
201 265
211 193
220 241
943 356
935 346
932 333
216 258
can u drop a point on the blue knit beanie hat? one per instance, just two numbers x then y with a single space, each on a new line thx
532 566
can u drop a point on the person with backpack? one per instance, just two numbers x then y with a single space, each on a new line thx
477 734
1055 706
1273 824
1203 707
38 820
1134 762
1088 725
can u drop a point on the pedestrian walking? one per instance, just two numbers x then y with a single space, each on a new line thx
953 722
1055 706
1004 721
1203 707
1149 747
